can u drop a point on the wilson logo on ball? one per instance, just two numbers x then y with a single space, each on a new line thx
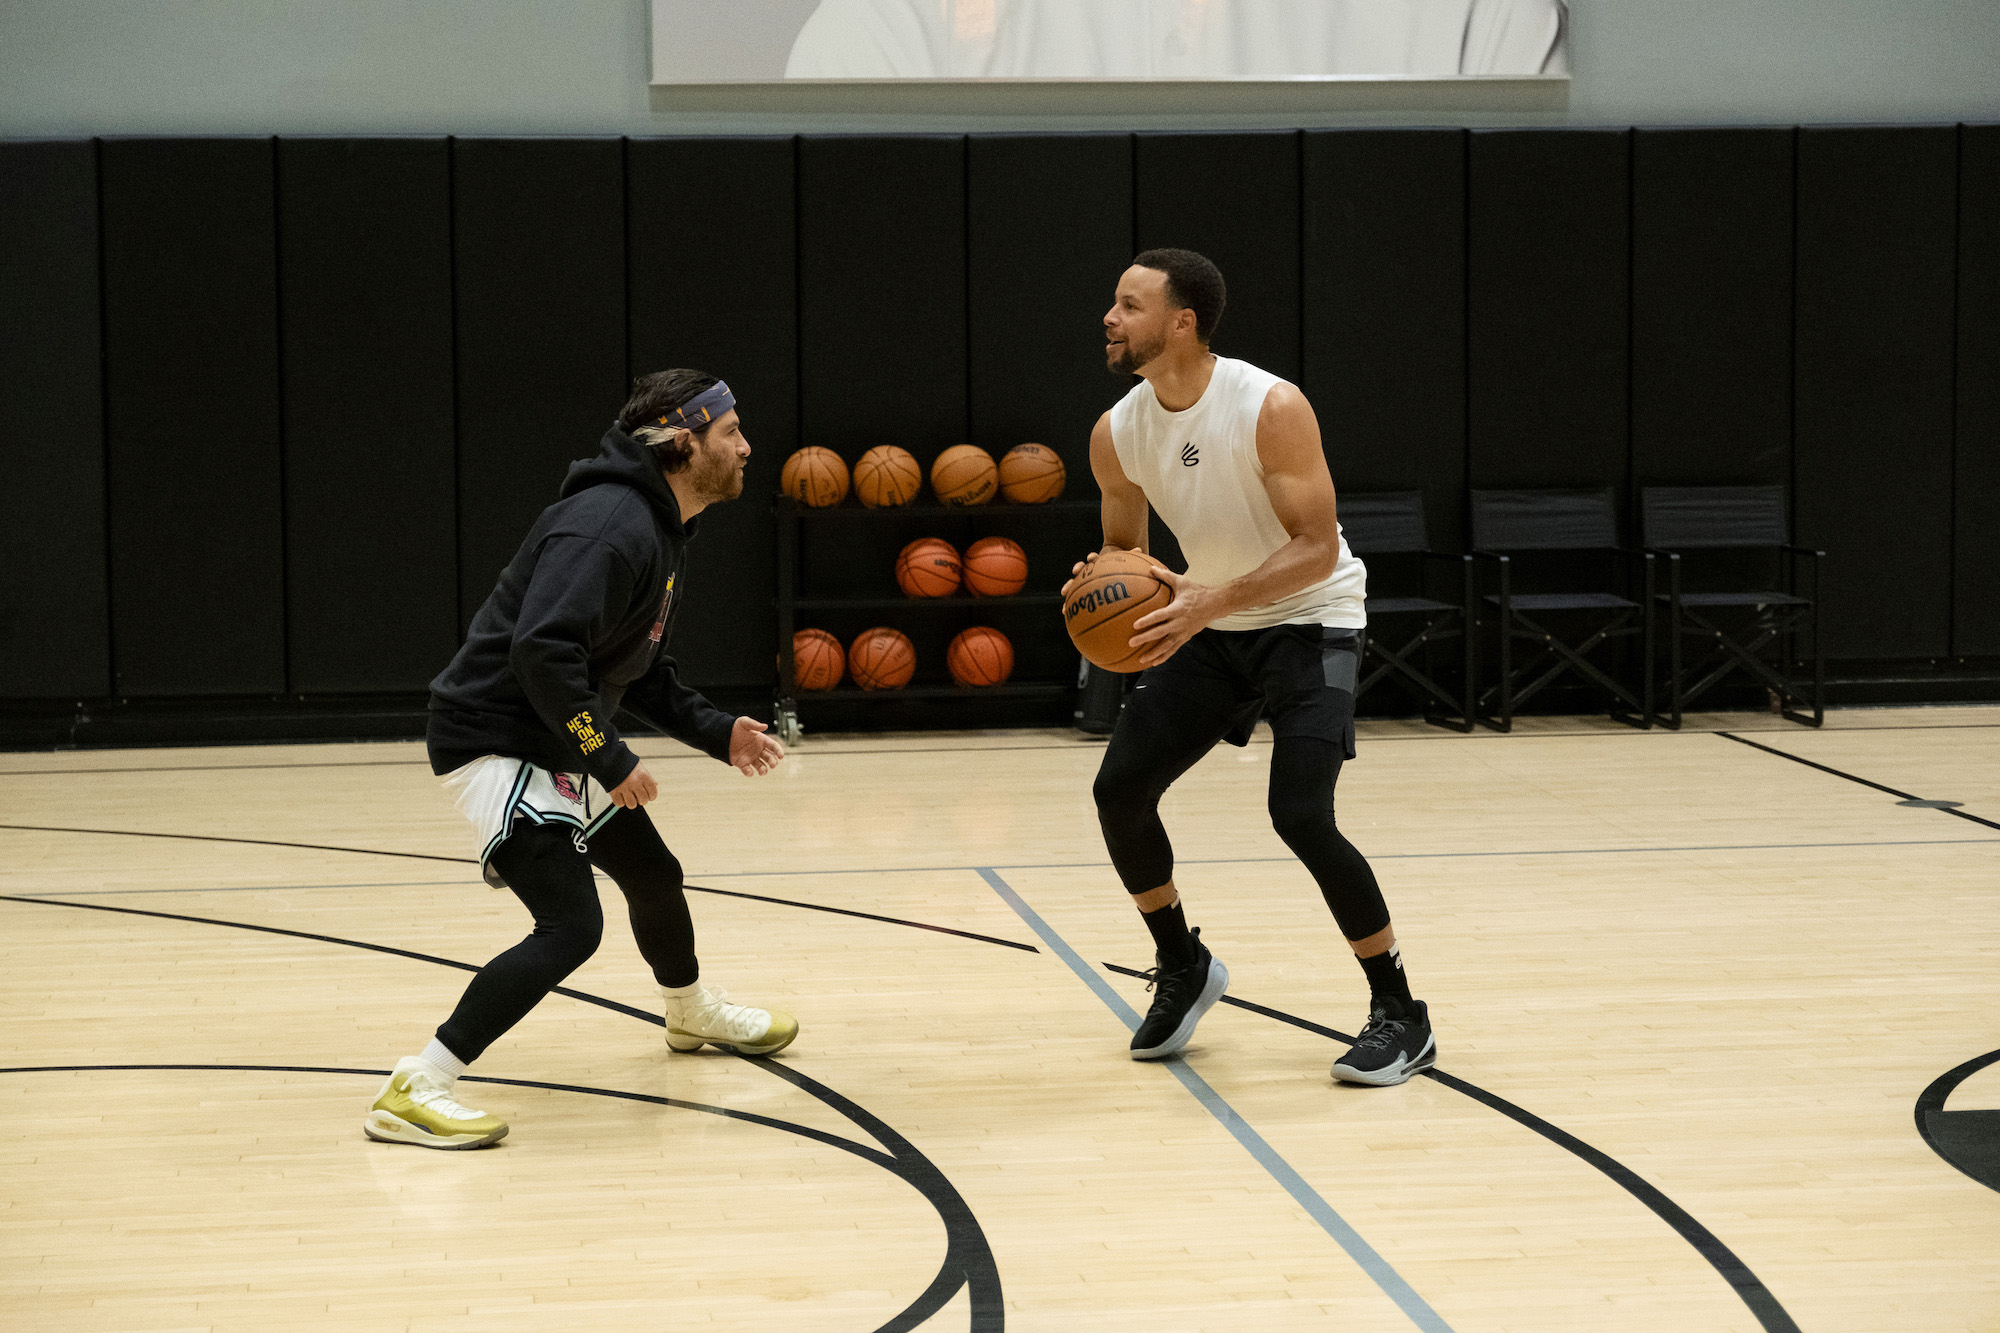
1097 599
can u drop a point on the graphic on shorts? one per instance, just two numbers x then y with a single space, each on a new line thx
566 788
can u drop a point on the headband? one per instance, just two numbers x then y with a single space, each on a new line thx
700 411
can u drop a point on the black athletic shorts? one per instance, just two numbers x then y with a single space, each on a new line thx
1300 676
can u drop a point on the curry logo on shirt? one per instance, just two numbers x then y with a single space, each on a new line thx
588 738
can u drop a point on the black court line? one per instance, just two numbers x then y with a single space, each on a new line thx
466 860
968 1261
1719 1256
1969 1140
1786 754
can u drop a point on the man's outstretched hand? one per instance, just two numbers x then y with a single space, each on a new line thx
750 750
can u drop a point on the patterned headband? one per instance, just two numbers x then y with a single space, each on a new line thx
700 411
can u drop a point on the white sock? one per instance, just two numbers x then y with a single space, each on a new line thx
681 992
439 1057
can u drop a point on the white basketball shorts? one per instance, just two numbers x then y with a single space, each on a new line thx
493 791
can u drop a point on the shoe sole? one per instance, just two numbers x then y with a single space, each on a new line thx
1211 991
687 1042
384 1127
1390 1075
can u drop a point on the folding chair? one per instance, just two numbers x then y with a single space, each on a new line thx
1682 519
1556 521
1392 524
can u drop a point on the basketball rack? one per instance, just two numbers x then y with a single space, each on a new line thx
1028 618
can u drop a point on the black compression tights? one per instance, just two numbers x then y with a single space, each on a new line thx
1304 769
553 881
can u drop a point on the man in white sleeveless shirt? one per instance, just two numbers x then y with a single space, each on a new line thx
1267 620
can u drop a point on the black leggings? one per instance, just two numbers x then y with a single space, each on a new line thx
1143 761
542 865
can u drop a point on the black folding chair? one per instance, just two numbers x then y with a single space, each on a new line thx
1683 519
1391 524
1507 523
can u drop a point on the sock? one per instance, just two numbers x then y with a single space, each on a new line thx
1170 933
439 1057
680 992
1386 978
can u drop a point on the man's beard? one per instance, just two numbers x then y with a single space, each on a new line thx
715 476
1132 358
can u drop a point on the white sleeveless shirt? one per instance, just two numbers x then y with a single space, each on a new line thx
1199 469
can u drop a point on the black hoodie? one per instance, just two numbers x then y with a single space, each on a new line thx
576 628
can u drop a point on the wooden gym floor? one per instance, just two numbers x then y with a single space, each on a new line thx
1689 993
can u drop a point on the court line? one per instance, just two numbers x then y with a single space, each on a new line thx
1748 1287
1372 1263
1930 1106
1799 759
968 1261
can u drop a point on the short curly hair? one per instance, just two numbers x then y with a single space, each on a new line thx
655 395
1193 283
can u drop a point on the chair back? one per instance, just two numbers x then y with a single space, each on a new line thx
1544 520
1383 523
1678 518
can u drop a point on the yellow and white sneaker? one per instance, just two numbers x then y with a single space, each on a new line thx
416 1107
705 1017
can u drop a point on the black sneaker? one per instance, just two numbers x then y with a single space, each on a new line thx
1396 1044
1182 994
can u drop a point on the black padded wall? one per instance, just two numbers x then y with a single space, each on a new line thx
1876 253
1976 562
716 289
364 265
192 426
1712 307
1384 290
54 615
539 265
1547 269
1036 310
1234 198
882 294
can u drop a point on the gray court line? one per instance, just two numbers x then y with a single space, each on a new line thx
1373 1264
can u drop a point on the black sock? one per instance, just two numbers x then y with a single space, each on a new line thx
1386 978
1170 933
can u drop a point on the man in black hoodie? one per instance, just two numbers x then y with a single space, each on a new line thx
521 732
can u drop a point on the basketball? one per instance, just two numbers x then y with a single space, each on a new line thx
881 659
1113 592
814 476
964 475
980 656
1030 474
887 477
995 567
928 567
817 660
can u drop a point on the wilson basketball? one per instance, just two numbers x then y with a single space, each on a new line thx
814 476
995 567
818 661
980 656
928 567
1117 589
881 659
887 477
964 475
1030 474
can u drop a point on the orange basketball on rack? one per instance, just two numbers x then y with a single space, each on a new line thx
886 477
995 567
818 661
964 475
928 567
814 476
1030 474
980 656
881 659
1114 591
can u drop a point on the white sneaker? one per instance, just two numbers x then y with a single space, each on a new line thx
705 1017
416 1106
